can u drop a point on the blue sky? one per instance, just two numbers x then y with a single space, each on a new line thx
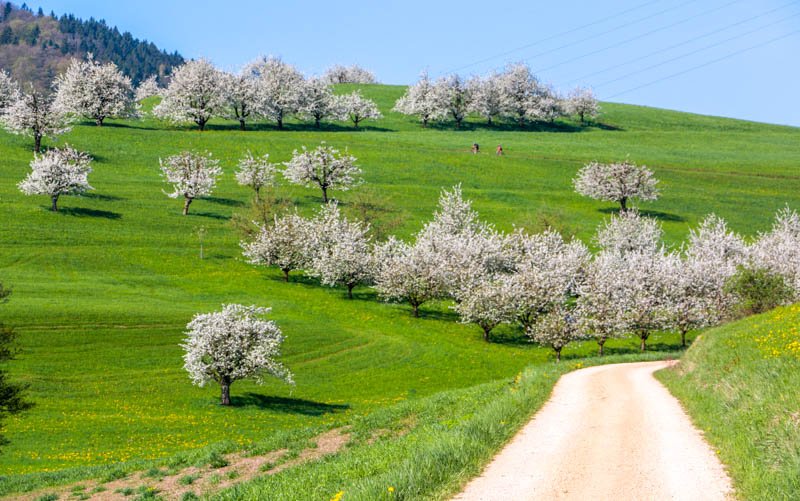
634 51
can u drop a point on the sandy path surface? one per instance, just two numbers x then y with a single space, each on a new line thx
611 432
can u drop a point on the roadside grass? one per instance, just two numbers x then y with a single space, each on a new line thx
741 385
103 289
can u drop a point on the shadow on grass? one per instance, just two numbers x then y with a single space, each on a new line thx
287 405
210 215
228 202
661 216
82 212
510 338
294 127
102 198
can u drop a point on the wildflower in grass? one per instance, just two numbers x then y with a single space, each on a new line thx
338 496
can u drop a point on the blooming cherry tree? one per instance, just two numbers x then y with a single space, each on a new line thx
487 303
233 344
256 172
94 90
56 172
422 101
340 250
9 91
556 329
285 243
191 175
339 74
454 96
317 101
520 93
323 166
148 88
616 182
196 93
357 108
486 97
779 249
33 114
241 97
582 103
629 232
280 88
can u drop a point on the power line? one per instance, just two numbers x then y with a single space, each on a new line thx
696 51
547 39
708 63
637 37
675 46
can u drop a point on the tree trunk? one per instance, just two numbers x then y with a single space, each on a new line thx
316 123
643 344
424 123
458 123
285 274
242 125
601 342
99 121
37 142
486 332
683 338
489 122
558 354
325 194
280 122
202 124
186 203
350 290
54 207
415 309
225 386
623 204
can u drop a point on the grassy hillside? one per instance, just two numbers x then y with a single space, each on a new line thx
741 385
103 289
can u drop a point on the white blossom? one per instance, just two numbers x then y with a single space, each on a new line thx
233 344
241 98
779 249
148 88
286 243
196 93
421 100
280 88
488 302
616 182
323 166
582 103
56 172
317 101
454 97
629 232
486 97
94 90
33 114
521 92
9 91
339 249
191 175
338 74
256 172
357 108
557 328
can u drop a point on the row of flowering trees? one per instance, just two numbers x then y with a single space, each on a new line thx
515 94
556 290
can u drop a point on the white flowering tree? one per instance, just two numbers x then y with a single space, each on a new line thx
317 102
647 279
338 74
629 232
32 114
285 243
549 107
280 88
557 328
357 108
196 93
486 97
9 91
241 98
616 182
256 172
408 273
601 300
232 344
778 250
191 175
57 172
94 90
454 96
582 103
147 88
421 100
325 167
488 302
339 249
520 93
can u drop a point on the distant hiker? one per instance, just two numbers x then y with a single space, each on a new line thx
499 151
475 148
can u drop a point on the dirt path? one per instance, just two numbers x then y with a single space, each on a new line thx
607 433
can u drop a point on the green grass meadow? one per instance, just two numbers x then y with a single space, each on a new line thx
104 288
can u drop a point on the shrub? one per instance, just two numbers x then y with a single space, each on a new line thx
757 290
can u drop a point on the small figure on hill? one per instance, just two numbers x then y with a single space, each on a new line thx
475 148
499 150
